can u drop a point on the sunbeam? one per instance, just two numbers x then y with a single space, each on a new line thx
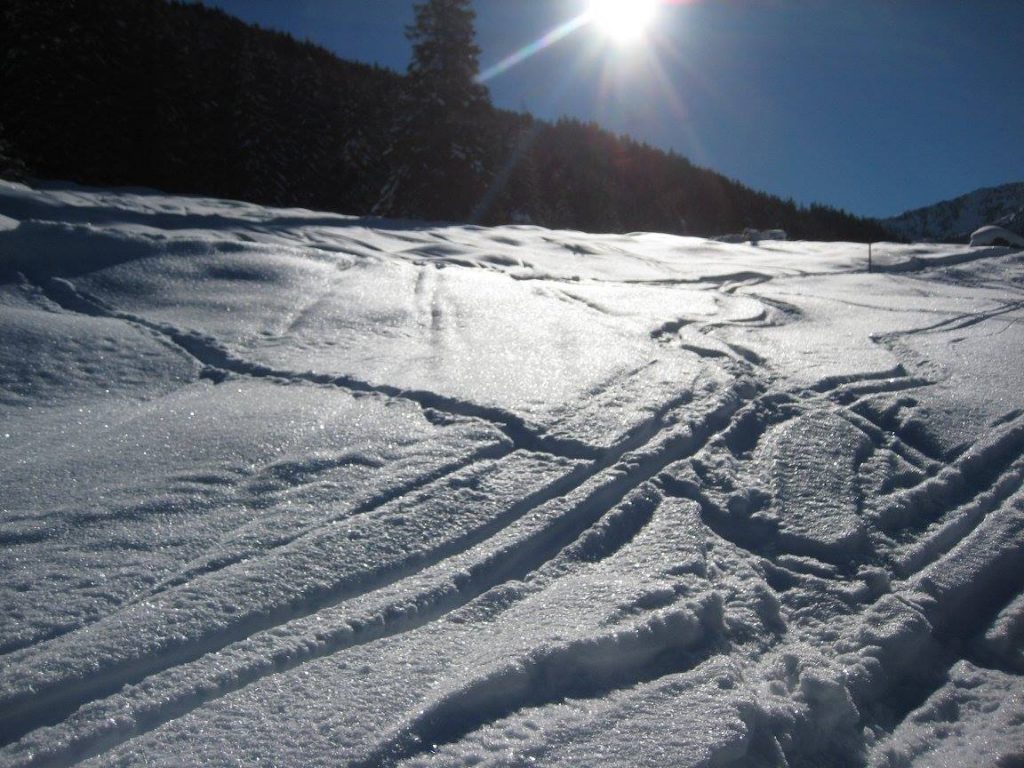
560 32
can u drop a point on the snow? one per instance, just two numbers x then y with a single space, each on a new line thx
992 234
291 488
977 713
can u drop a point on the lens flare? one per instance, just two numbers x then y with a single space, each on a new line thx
623 21
527 51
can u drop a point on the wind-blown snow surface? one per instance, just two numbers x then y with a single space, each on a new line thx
294 489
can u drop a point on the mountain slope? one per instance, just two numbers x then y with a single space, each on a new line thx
299 489
185 98
953 221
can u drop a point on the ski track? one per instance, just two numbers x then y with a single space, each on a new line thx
44 709
371 504
966 518
218 362
602 486
946 546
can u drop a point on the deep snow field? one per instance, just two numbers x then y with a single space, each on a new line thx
295 489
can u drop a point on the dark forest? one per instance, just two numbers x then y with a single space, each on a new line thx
187 99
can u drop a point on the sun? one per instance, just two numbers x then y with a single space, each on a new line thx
623 21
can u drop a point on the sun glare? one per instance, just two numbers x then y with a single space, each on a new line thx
623 21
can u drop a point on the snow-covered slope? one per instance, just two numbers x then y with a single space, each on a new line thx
294 489
954 220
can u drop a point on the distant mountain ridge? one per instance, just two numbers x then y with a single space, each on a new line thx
955 220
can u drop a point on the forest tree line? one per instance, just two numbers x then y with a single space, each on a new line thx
188 99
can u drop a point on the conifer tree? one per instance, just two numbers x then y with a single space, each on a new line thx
437 156
11 166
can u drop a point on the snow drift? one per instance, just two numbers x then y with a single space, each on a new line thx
291 488
996 236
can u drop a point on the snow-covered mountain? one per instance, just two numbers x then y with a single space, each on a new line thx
295 489
953 221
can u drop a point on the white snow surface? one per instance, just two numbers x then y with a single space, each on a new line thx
297 489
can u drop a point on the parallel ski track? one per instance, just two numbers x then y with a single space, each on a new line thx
938 523
971 488
638 457
588 498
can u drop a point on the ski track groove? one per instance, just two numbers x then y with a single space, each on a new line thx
658 649
957 613
476 707
936 519
962 321
371 504
219 362
831 383
952 516
212 357
852 394
956 484
916 264
213 565
955 523
624 476
24 714
883 438
573 299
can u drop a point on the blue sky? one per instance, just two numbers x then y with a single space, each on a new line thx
875 106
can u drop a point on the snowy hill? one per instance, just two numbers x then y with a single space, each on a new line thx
297 489
955 220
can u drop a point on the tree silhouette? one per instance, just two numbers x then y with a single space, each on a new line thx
185 98
438 153
11 166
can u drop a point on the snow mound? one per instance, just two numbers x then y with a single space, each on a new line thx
992 235
300 489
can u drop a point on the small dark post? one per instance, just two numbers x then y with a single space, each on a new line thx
869 256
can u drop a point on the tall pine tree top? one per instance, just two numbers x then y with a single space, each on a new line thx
445 57
438 153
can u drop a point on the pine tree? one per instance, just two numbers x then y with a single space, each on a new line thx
11 166
437 156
